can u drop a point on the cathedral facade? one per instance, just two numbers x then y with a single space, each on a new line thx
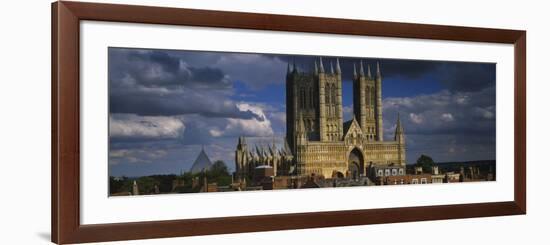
317 140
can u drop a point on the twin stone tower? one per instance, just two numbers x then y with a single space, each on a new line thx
317 140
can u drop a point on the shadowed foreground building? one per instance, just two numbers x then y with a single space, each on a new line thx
317 141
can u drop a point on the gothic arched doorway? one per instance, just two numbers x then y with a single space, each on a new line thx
355 164
337 175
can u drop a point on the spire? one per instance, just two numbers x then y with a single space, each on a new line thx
301 126
316 68
354 71
368 71
398 126
361 71
378 74
294 69
338 66
321 68
269 151
258 152
331 68
272 149
399 132
242 141
301 134
287 148
265 150
288 68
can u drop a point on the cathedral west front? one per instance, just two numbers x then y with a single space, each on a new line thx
318 142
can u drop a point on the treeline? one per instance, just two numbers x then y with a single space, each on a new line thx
426 162
171 183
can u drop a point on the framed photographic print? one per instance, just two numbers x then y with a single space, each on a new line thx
177 122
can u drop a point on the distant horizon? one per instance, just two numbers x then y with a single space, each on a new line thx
166 104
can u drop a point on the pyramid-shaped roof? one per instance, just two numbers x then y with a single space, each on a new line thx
201 163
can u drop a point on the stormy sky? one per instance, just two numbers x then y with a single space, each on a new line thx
165 105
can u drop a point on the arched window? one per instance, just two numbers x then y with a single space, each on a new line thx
368 96
333 99
327 94
310 97
302 98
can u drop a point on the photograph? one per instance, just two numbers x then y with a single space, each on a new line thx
275 122
188 121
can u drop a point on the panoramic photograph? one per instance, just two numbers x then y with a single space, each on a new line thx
199 121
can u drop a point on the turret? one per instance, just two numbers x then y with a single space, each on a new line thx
378 86
378 74
316 68
258 152
399 136
338 71
368 72
241 158
301 135
288 71
361 104
241 145
321 67
354 71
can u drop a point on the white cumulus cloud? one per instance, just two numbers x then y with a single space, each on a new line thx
447 117
134 126
259 126
418 119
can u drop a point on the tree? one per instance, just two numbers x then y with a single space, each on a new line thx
219 168
219 173
146 184
117 184
426 162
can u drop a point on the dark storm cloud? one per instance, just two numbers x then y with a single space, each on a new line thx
454 76
176 103
467 76
160 69
156 83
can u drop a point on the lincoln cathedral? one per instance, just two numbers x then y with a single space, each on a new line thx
318 142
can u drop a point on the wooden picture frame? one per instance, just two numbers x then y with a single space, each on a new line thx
65 174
